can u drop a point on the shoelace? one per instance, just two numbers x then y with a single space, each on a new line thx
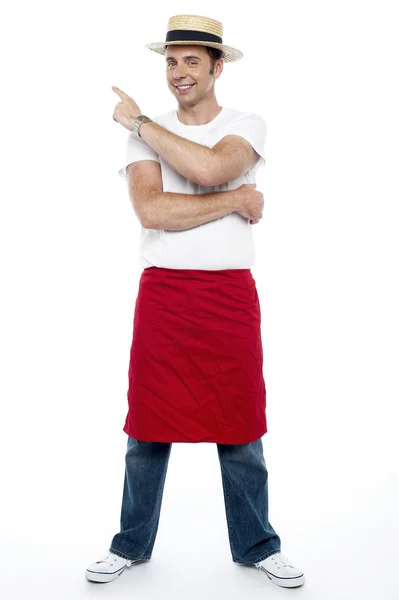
105 558
280 559
108 557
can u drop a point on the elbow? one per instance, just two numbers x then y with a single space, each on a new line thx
147 222
147 212
142 215
148 225
212 173
204 172
208 177
205 179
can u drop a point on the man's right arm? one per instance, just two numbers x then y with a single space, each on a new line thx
157 209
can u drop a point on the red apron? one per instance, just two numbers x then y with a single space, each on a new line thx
195 371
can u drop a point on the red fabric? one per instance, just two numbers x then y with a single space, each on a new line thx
195 371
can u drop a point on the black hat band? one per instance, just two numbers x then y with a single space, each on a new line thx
178 35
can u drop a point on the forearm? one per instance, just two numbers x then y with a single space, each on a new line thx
189 159
177 212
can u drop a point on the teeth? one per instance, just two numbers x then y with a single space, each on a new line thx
184 87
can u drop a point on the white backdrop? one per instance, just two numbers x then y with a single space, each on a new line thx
324 77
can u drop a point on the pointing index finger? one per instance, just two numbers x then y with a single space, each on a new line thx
119 92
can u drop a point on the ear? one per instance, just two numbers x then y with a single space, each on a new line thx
218 68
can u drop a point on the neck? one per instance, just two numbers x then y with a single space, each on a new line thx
200 113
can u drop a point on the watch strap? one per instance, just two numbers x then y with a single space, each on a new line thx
137 123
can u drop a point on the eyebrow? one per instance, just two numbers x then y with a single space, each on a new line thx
190 56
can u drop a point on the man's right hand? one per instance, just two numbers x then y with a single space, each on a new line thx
249 202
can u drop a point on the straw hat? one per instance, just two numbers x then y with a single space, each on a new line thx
193 30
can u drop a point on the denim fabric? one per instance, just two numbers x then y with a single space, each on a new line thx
245 489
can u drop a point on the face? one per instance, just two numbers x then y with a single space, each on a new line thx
190 65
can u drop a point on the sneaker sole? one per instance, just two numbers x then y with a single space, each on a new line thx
288 582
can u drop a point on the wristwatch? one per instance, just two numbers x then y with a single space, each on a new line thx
136 126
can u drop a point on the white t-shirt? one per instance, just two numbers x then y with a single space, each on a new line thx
224 243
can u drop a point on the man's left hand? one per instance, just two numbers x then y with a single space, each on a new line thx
126 111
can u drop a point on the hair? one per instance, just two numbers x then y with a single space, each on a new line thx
215 54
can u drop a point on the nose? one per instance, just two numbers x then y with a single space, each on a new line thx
179 72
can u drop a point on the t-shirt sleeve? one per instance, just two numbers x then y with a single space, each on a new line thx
137 149
253 128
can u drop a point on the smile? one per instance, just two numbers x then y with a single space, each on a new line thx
184 88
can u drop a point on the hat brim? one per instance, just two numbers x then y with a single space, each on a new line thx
229 54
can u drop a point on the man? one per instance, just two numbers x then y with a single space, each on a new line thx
195 372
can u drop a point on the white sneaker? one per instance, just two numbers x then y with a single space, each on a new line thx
109 568
280 571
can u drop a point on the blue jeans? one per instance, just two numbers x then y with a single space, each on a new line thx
245 488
